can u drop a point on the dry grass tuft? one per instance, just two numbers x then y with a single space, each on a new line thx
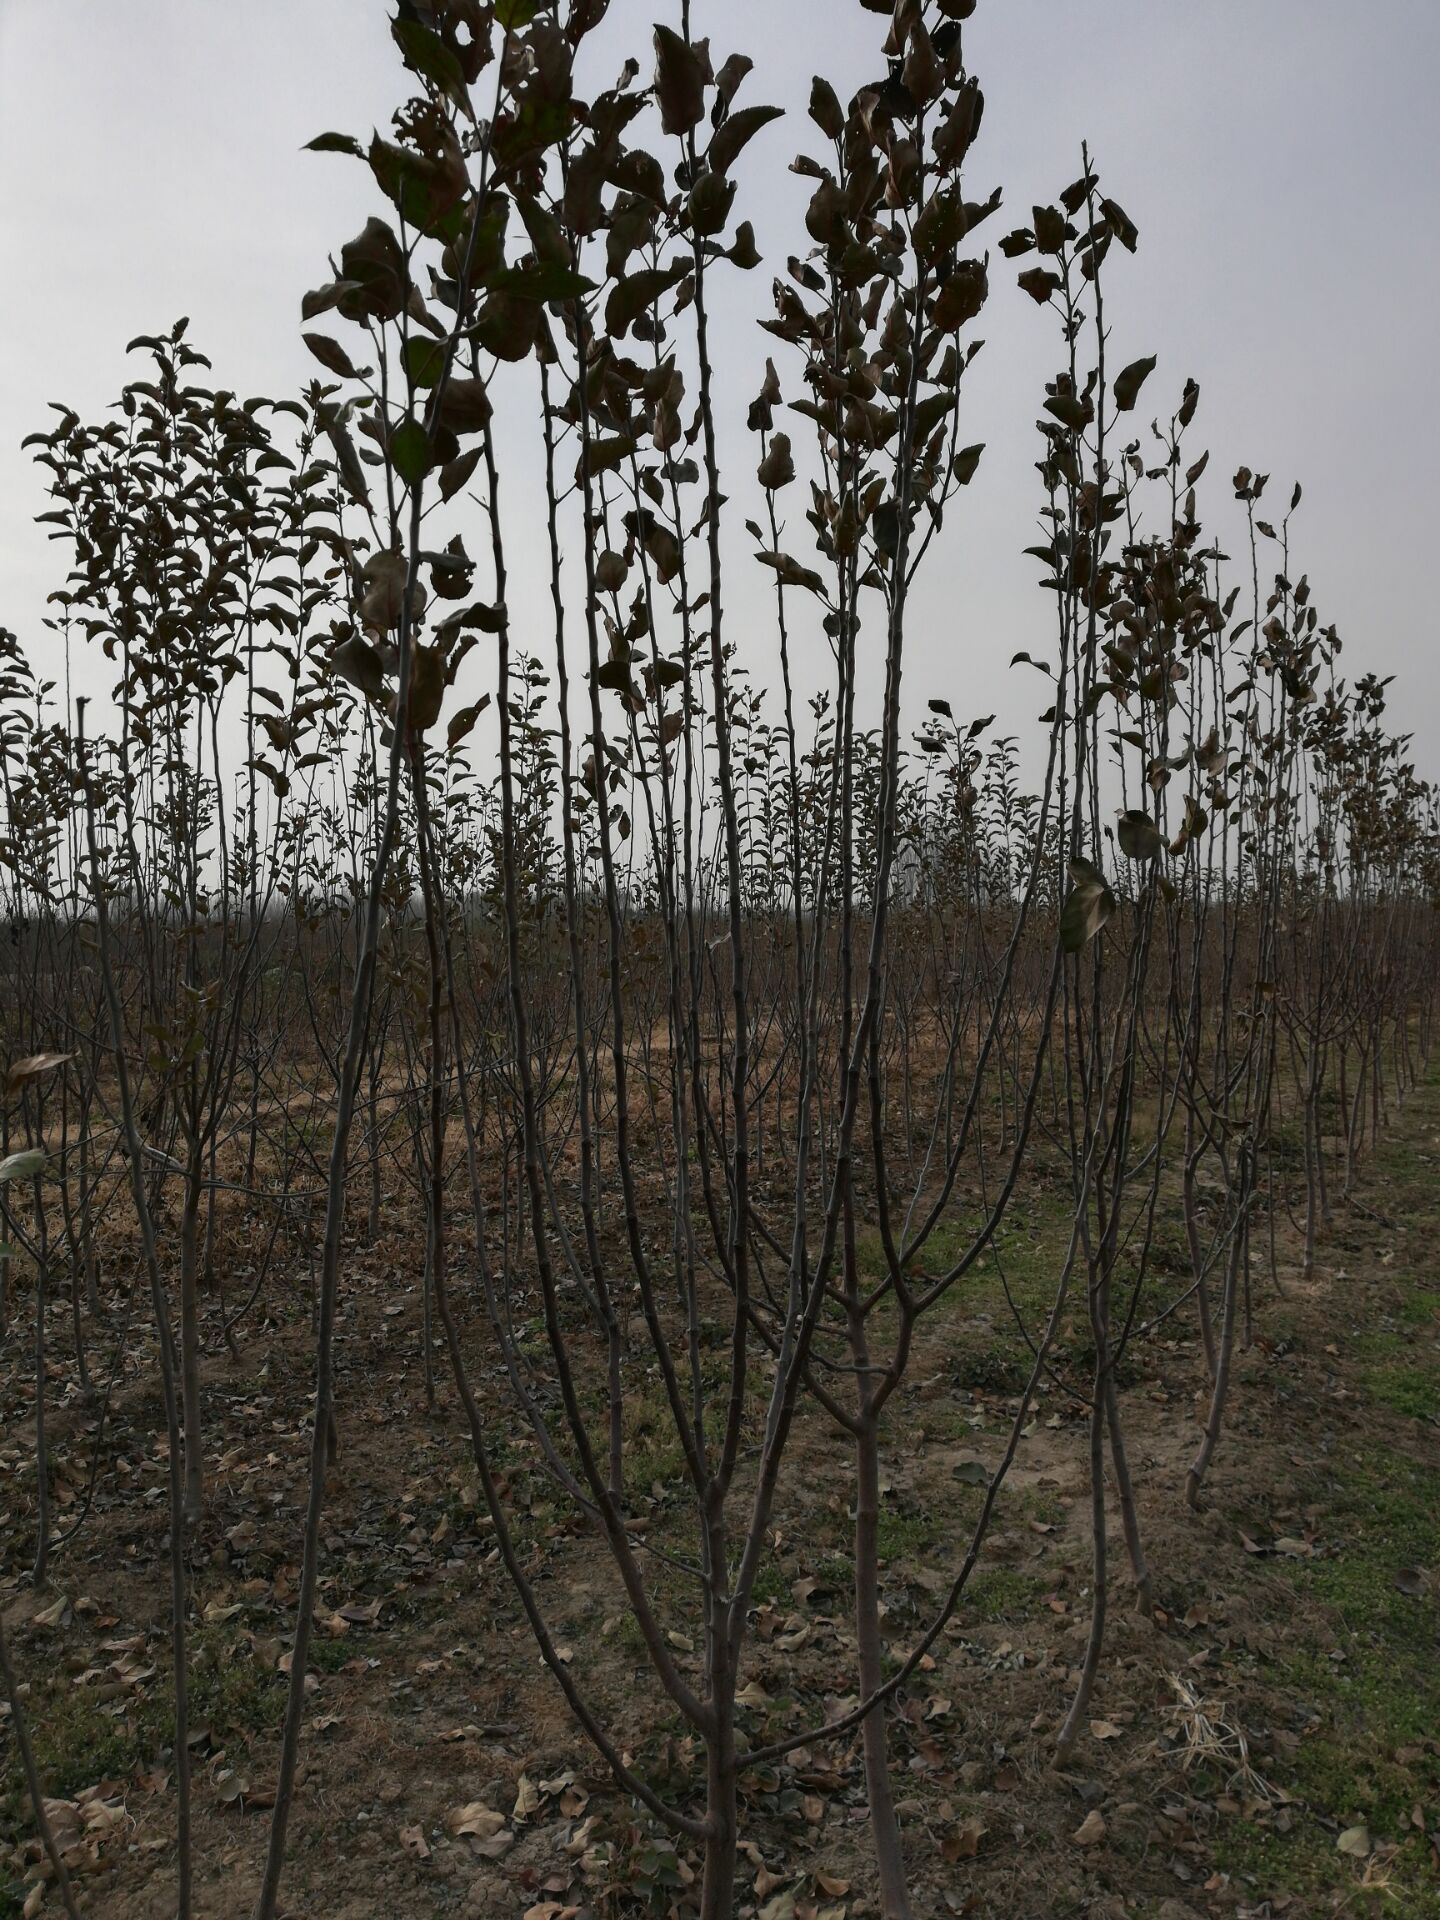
1204 1732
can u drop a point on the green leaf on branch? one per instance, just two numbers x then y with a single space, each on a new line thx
427 54
1071 410
1120 224
1129 382
637 293
736 133
456 472
1049 229
1140 838
335 143
427 688
23 1166
410 451
374 280
352 473
424 359
679 82
607 454
965 463
1088 906
465 406
507 326
550 281
1040 283
330 354
358 662
463 722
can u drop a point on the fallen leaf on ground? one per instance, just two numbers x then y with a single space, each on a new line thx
963 1842
527 1797
782 1907
1091 1831
473 1822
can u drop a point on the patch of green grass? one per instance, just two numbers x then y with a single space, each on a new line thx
1411 1391
1287 1144
628 1633
330 1656
656 1459
770 1585
1306 1866
1001 1593
1383 1695
1039 1503
1019 1272
1026 1249
652 1447
1284 1331
993 1367
1385 1513
78 1744
1419 1308
944 1422
836 1575
1169 1251
1296 1864
902 1536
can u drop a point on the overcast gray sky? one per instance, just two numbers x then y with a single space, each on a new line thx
1279 156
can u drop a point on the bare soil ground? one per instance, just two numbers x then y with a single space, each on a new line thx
1267 1744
